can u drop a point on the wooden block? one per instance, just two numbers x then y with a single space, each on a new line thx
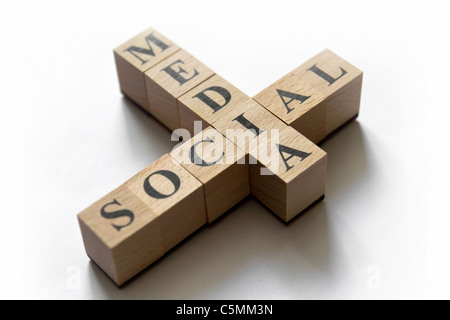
298 176
174 195
136 56
121 234
220 165
298 105
169 80
209 102
133 226
339 81
244 125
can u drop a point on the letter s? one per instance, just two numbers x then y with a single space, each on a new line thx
117 214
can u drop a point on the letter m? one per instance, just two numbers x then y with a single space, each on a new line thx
140 53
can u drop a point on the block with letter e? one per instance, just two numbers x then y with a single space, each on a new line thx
170 79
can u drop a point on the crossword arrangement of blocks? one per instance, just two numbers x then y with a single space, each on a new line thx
134 225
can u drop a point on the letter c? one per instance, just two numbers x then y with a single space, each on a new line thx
196 159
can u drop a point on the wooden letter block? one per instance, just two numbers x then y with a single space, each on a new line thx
220 165
298 176
244 124
169 80
290 171
339 81
121 234
298 104
136 56
209 102
174 195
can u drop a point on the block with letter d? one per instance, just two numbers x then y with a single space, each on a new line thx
170 79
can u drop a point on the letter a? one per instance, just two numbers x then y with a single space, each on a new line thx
293 152
292 96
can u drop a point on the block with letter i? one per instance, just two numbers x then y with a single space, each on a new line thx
136 56
170 79
243 125
220 166
339 81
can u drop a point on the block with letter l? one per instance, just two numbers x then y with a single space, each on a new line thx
339 81
316 98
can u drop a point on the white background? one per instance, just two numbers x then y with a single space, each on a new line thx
68 137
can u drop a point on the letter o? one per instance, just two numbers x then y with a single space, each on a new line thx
152 192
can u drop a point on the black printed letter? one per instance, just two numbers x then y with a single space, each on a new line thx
250 126
152 192
210 102
326 76
195 159
177 74
293 152
117 214
150 38
292 96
